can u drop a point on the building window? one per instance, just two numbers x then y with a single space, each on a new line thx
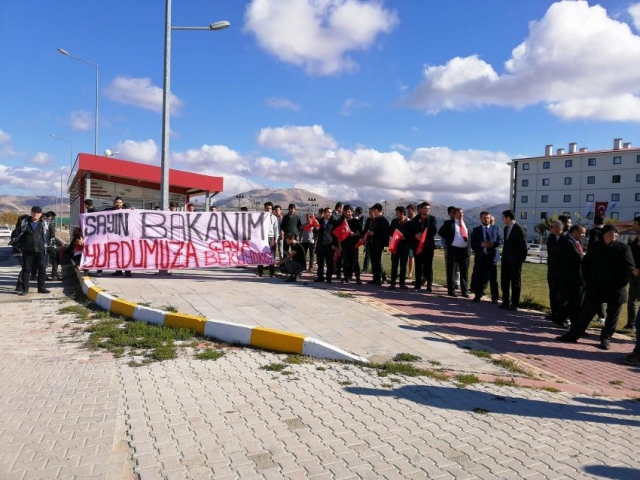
543 215
568 163
638 159
523 215
636 215
591 180
590 216
617 160
637 197
545 199
615 179
567 180
591 162
590 197
546 165
566 214
614 216
545 182
615 197
524 199
525 183
567 198
637 177
525 166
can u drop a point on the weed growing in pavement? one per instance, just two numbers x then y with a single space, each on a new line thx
144 304
480 353
435 363
321 368
481 411
386 385
616 382
399 368
395 380
82 313
344 294
550 389
510 365
529 303
346 382
169 308
274 367
209 354
297 359
501 382
465 379
406 357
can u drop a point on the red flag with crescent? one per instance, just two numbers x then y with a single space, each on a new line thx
313 223
342 231
395 238
601 207
423 239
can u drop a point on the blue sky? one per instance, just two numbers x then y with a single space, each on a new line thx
346 98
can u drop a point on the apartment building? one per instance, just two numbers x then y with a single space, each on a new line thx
575 183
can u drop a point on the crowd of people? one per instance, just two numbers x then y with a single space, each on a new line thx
586 280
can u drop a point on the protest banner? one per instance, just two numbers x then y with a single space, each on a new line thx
158 240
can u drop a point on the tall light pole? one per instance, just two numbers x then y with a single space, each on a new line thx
64 52
53 135
166 91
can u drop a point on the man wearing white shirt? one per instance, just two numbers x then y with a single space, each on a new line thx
456 235
272 235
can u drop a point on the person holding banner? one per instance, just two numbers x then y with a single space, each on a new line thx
379 237
422 241
349 246
309 230
118 204
399 247
327 243
272 238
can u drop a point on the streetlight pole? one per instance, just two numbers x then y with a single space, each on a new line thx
166 91
53 135
64 52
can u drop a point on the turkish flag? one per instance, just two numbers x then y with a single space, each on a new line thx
601 207
423 239
363 240
336 257
395 238
342 231
313 223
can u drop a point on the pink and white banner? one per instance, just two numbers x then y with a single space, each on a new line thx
158 240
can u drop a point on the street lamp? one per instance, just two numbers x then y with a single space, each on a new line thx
53 135
239 197
110 153
166 90
64 52
313 203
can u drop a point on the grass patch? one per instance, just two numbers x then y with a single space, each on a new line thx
386 385
321 368
346 382
209 354
501 382
406 357
435 363
528 302
550 389
481 411
480 353
399 368
169 308
395 380
465 379
510 365
344 294
616 382
82 313
274 367
297 359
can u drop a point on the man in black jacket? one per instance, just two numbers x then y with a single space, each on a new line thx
485 239
424 260
379 238
400 254
291 223
634 282
32 241
327 243
606 269
554 247
514 254
571 282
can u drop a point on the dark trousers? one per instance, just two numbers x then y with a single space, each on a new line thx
553 281
424 266
350 263
325 255
375 251
571 297
399 259
367 258
590 308
634 296
460 257
511 280
485 270
272 268
310 249
34 262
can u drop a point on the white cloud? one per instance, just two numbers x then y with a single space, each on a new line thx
351 104
634 11
140 92
6 148
81 120
32 180
216 159
4 137
282 103
41 158
313 159
145 151
400 146
318 35
574 56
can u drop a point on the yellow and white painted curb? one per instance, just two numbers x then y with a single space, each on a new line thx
236 333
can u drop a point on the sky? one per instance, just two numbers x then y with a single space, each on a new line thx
350 99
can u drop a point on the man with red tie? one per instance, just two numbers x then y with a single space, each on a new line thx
456 235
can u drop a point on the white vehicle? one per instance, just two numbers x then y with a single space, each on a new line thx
534 250
5 232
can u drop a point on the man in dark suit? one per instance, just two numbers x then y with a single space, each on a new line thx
456 235
595 235
606 269
570 278
485 239
424 260
379 237
514 254
554 247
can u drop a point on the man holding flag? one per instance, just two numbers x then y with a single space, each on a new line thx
349 245
422 241
399 247
327 243
379 237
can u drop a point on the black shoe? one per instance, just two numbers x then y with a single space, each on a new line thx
404 287
504 305
33 277
550 317
494 301
430 289
358 282
59 277
291 279
456 286
117 273
48 278
127 273
567 338
605 344
417 288
391 287
22 293
373 282
317 280
477 299
328 280
465 294
99 273
452 294
513 308
43 290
